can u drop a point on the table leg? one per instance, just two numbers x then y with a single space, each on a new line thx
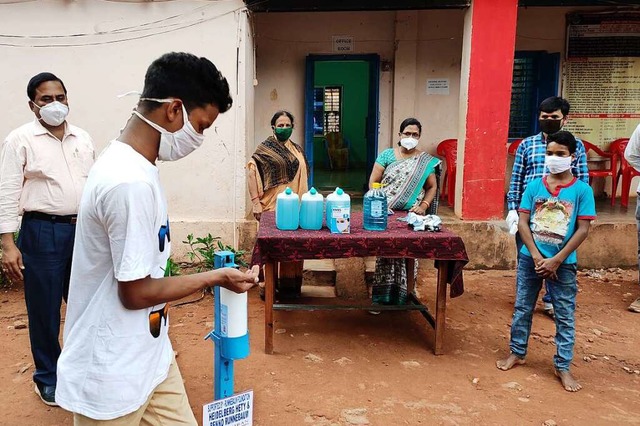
441 307
269 294
411 276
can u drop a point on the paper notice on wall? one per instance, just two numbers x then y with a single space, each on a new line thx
236 410
438 86
602 76
342 44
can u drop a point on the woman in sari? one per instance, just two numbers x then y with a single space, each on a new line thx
276 164
408 178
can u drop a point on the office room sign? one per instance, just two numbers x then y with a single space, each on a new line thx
342 43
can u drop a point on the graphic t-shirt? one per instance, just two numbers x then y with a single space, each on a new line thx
114 357
553 216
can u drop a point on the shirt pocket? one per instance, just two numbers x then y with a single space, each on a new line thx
84 160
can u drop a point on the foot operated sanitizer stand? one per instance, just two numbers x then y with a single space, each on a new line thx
230 335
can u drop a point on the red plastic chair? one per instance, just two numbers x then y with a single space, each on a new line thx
627 171
448 149
612 171
513 146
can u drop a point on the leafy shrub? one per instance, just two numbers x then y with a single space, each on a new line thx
202 251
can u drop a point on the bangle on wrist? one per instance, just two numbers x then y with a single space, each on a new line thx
424 202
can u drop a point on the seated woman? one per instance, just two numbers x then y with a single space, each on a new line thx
408 178
276 164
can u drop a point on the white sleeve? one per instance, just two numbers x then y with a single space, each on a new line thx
128 212
12 161
632 152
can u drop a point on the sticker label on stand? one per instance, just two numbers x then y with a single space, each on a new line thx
236 410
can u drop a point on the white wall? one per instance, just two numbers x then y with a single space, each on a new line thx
284 40
117 43
433 36
419 45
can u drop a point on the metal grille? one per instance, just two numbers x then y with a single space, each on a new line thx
523 93
332 109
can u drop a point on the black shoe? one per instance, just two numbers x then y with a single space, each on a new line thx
47 394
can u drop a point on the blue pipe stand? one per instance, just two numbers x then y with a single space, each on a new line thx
227 349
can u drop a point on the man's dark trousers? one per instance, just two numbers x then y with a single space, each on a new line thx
47 247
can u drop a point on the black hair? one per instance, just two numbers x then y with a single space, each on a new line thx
37 80
554 103
195 81
564 138
280 114
410 122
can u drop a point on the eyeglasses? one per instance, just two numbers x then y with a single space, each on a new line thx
155 320
411 135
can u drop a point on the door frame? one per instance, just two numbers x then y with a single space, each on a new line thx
372 124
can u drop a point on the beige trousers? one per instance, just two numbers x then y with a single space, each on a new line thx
168 405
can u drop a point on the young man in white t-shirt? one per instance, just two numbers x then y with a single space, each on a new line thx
117 366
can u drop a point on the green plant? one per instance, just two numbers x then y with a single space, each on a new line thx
202 250
172 269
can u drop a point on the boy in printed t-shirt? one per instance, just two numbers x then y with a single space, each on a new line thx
555 215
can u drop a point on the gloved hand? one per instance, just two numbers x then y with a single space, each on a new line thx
512 221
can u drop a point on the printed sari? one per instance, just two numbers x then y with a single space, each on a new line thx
403 181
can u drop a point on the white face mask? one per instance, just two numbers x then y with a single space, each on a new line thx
53 113
409 143
177 145
557 164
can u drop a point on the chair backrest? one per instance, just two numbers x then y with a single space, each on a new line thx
588 146
448 149
513 146
433 207
335 140
618 146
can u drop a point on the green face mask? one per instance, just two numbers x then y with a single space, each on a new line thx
283 133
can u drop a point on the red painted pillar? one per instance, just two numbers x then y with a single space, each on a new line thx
485 99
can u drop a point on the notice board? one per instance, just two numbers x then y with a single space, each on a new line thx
601 75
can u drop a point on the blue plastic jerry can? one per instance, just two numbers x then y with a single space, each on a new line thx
287 210
311 210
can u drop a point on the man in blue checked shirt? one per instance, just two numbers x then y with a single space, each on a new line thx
529 164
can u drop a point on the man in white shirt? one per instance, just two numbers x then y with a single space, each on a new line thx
43 167
632 154
118 366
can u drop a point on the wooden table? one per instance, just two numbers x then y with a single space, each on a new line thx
399 240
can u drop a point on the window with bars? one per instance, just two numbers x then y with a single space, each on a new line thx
332 109
523 93
327 110
535 78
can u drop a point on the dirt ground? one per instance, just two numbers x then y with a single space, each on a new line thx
351 368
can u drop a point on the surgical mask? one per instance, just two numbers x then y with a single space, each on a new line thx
283 133
409 143
176 145
550 126
557 164
53 113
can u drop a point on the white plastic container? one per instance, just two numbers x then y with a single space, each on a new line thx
339 212
233 313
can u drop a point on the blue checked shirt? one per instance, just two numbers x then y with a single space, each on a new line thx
529 165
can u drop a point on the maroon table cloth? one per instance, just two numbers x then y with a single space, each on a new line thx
399 240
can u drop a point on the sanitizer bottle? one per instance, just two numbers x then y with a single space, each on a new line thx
287 210
311 210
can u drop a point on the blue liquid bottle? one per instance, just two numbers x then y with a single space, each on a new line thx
287 210
311 210
375 209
